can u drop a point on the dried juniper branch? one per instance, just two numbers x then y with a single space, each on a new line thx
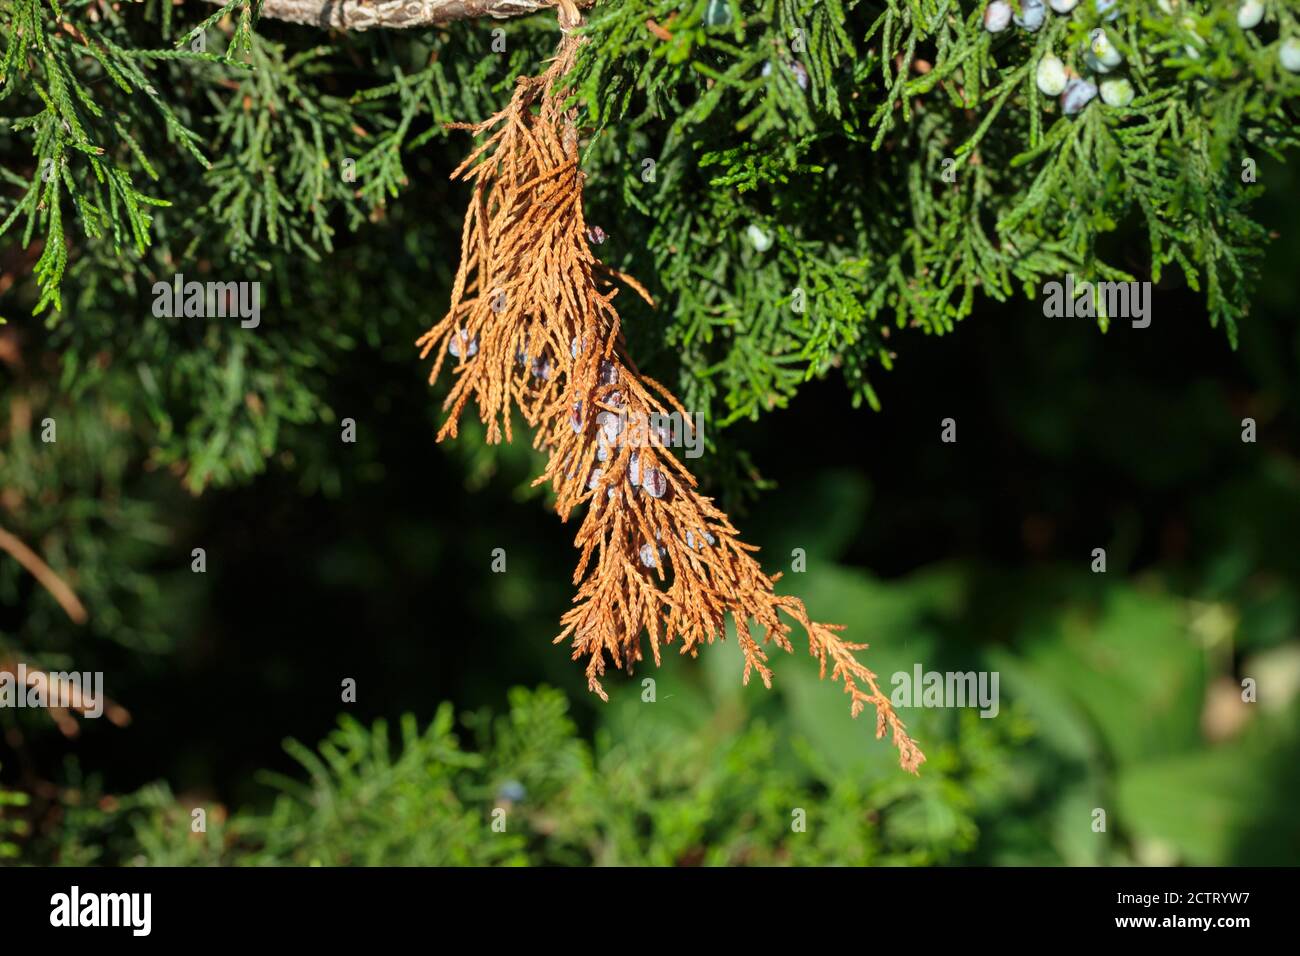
532 325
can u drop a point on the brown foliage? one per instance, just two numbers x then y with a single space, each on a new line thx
532 326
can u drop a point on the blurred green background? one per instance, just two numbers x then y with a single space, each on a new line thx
1119 691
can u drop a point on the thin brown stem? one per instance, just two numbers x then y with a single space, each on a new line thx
43 573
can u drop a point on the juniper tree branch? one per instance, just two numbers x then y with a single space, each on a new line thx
397 14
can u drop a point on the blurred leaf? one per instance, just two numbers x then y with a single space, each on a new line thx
1132 667
1233 804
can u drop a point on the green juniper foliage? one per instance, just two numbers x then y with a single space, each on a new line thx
421 798
848 175
792 178
10 829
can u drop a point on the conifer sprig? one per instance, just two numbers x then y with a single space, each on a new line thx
848 193
83 153
532 326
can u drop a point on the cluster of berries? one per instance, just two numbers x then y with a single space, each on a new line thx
1101 57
